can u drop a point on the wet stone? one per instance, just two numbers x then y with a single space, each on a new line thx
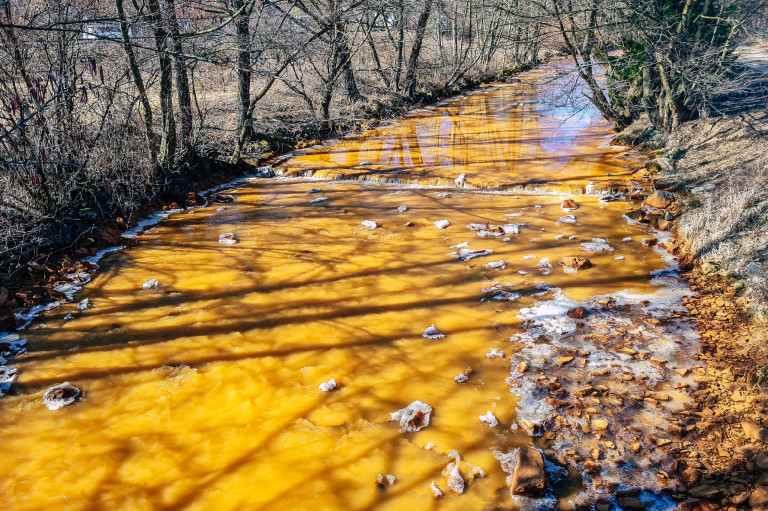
529 477
61 395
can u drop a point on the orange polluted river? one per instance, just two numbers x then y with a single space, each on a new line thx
203 391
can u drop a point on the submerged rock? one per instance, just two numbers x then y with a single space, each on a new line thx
413 417
60 395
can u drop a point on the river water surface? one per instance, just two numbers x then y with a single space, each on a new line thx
203 392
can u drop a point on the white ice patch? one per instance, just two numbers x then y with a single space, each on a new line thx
597 245
85 303
441 224
319 199
526 258
626 240
403 208
567 219
494 353
369 224
413 417
495 265
461 245
489 419
328 386
151 284
68 289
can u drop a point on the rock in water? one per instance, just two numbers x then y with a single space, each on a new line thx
60 395
369 224
151 284
569 205
461 180
529 478
659 199
385 480
228 238
413 417
577 312
433 333
442 224
579 263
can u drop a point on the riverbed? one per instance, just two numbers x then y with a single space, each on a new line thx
371 262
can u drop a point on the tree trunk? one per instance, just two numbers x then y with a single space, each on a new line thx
242 27
133 66
400 44
168 141
409 85
183 95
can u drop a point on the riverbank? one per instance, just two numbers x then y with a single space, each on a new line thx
717 169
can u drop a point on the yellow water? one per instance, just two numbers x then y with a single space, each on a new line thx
203 394
528 135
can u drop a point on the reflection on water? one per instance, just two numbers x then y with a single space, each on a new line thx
525 135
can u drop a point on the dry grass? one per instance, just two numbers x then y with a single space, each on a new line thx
728 223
